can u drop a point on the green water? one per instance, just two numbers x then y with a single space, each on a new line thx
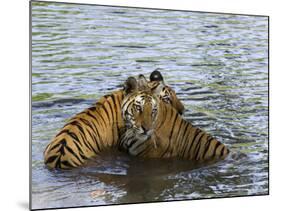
218 65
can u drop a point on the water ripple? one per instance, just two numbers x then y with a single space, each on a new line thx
217 64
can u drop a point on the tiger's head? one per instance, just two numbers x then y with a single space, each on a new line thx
139 111
157 86
141 103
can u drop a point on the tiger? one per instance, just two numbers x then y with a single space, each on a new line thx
154 129
100 127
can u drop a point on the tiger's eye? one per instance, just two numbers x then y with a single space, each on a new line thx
138 107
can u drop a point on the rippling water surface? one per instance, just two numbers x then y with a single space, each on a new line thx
218 65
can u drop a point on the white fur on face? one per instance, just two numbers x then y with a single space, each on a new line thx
139 100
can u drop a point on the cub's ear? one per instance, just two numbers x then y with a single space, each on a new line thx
142 82
156 76
130 85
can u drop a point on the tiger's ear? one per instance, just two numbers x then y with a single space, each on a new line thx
130 85
156 76
142 82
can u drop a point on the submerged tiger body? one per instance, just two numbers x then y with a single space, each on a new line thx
100 126
154 129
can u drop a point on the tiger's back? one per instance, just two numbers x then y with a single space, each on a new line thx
87 133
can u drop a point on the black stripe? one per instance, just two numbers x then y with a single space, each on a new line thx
177 135
76 140
51 159
207 145
82 133
55 146
94 125
76 123
83 156
62 131
164 115
61 150
183 137
106 113
127 113
63 142
171 133
86 122
74 136
105 126
102 107
194 137
123 104
228 151
83 136
93 108
198 145
174 122
94 117
222 150
132 143
107 96
115 106
215 149
111 109
72 152
94 141
128 102
99 104
112 115
123 139
154 86
88 113
121 95
179 130
66 163
118 113
58 165
75 163
86 142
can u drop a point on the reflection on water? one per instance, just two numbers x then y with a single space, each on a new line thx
216 63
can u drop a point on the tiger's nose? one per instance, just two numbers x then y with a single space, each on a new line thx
144 129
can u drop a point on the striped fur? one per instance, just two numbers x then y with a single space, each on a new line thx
86 134
154 129
97 128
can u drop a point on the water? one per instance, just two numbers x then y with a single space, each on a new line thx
218 65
